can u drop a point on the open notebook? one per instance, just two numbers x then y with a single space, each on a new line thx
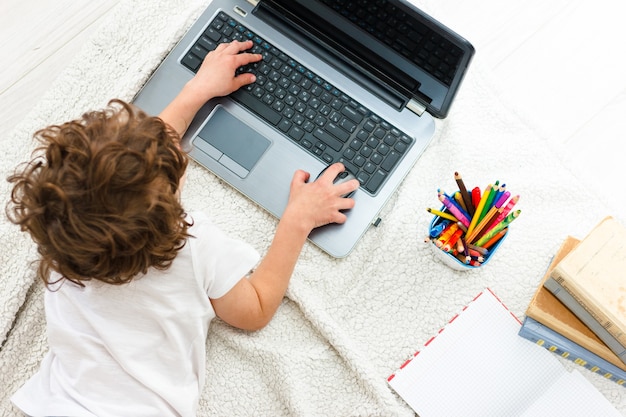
478 366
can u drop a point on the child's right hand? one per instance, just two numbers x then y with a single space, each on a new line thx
320 202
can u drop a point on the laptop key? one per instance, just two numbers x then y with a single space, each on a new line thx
257 106
375 181
337 132
328 139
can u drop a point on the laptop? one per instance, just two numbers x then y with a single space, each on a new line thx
359 82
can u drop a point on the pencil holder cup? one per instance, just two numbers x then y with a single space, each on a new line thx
449 258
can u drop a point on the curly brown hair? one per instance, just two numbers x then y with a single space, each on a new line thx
100 196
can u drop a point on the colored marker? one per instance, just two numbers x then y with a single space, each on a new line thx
475 197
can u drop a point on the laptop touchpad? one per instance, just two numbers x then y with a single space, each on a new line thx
231 142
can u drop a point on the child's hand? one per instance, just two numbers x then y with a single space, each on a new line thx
320 202
216 76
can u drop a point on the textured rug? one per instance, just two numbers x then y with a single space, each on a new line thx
345 325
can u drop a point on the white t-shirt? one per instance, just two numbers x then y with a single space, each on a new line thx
136 349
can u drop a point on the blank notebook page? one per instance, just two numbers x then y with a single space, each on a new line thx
478 366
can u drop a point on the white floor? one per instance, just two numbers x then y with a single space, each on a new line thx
561 61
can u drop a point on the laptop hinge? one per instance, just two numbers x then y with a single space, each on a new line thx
253 2
416 107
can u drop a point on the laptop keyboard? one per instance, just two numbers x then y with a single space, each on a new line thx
310 111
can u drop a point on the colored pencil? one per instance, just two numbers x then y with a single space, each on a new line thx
442 214
479 209
491 214
456 212
464 194
496 237
504 223
505 212
459 200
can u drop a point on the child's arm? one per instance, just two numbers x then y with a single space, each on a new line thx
215 78
252 302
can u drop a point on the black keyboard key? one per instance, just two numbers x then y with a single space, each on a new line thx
390 161
352 114
192 62
328 139
337 132
375 181
257 106
296 133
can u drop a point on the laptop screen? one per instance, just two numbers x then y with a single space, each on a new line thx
392 42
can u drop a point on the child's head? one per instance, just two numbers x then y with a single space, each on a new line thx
100 198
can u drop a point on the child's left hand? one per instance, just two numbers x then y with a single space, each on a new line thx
216 76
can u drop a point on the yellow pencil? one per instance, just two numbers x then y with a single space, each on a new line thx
491 214
459 199
479 208
442 214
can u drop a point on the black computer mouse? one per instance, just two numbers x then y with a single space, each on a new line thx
342 177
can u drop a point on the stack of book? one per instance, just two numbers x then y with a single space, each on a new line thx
579 309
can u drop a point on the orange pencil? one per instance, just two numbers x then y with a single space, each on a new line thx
445 235
495 238
452 241
491 214
479 209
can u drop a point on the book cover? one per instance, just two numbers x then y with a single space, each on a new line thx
545 308
478 366
593 273
562 346
585 316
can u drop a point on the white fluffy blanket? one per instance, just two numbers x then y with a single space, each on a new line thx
345 325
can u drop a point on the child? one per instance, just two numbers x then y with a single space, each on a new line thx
132 280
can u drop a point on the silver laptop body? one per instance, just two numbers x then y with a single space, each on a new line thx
258 157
